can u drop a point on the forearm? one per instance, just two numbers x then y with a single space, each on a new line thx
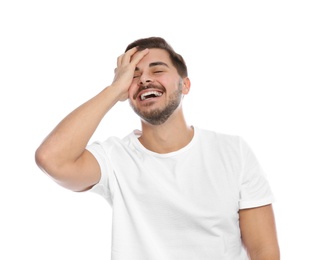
70 137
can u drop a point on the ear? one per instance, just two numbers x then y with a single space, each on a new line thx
186 85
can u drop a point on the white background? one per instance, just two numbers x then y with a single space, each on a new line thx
249 63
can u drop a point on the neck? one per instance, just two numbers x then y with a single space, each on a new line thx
171 136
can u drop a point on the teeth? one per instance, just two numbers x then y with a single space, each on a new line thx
144 95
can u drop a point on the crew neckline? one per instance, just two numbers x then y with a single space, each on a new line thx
137 133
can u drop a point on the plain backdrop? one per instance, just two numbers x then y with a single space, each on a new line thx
249 64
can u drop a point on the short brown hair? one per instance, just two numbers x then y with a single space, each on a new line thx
159 43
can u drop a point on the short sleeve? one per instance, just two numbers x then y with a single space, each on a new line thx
103 186
255 190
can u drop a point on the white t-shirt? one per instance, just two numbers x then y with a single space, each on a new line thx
181 205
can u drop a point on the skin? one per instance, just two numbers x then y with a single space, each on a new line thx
174 133
258 232
62 155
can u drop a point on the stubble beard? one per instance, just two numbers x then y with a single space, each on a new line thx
159 116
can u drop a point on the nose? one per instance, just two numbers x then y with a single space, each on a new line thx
145 78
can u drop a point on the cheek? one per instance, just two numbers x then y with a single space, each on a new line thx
132 90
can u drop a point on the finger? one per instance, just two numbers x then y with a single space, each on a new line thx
135 60
119 60
126 57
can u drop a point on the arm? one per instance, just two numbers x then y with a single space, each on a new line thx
62 155
258 232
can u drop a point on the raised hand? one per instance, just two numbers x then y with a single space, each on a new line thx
126 65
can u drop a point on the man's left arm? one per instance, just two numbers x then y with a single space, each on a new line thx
258 233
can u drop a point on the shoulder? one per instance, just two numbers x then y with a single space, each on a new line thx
218 138
228 146
111 144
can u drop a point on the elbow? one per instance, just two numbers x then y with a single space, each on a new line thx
59 172
40 158
44 160
46 164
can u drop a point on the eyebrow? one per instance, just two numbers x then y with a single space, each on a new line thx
153 64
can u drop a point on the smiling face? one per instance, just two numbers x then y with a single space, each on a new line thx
157 88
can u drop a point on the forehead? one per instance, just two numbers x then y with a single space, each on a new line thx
155 55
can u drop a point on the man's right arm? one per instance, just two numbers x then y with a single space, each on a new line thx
62 154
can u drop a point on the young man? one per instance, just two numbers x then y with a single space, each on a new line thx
177 191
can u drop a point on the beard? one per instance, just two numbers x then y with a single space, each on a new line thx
159 116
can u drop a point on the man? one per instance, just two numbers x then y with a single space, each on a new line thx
177 191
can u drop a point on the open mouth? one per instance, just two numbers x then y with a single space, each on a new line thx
150 94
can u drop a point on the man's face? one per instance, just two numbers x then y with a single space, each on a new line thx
156 89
